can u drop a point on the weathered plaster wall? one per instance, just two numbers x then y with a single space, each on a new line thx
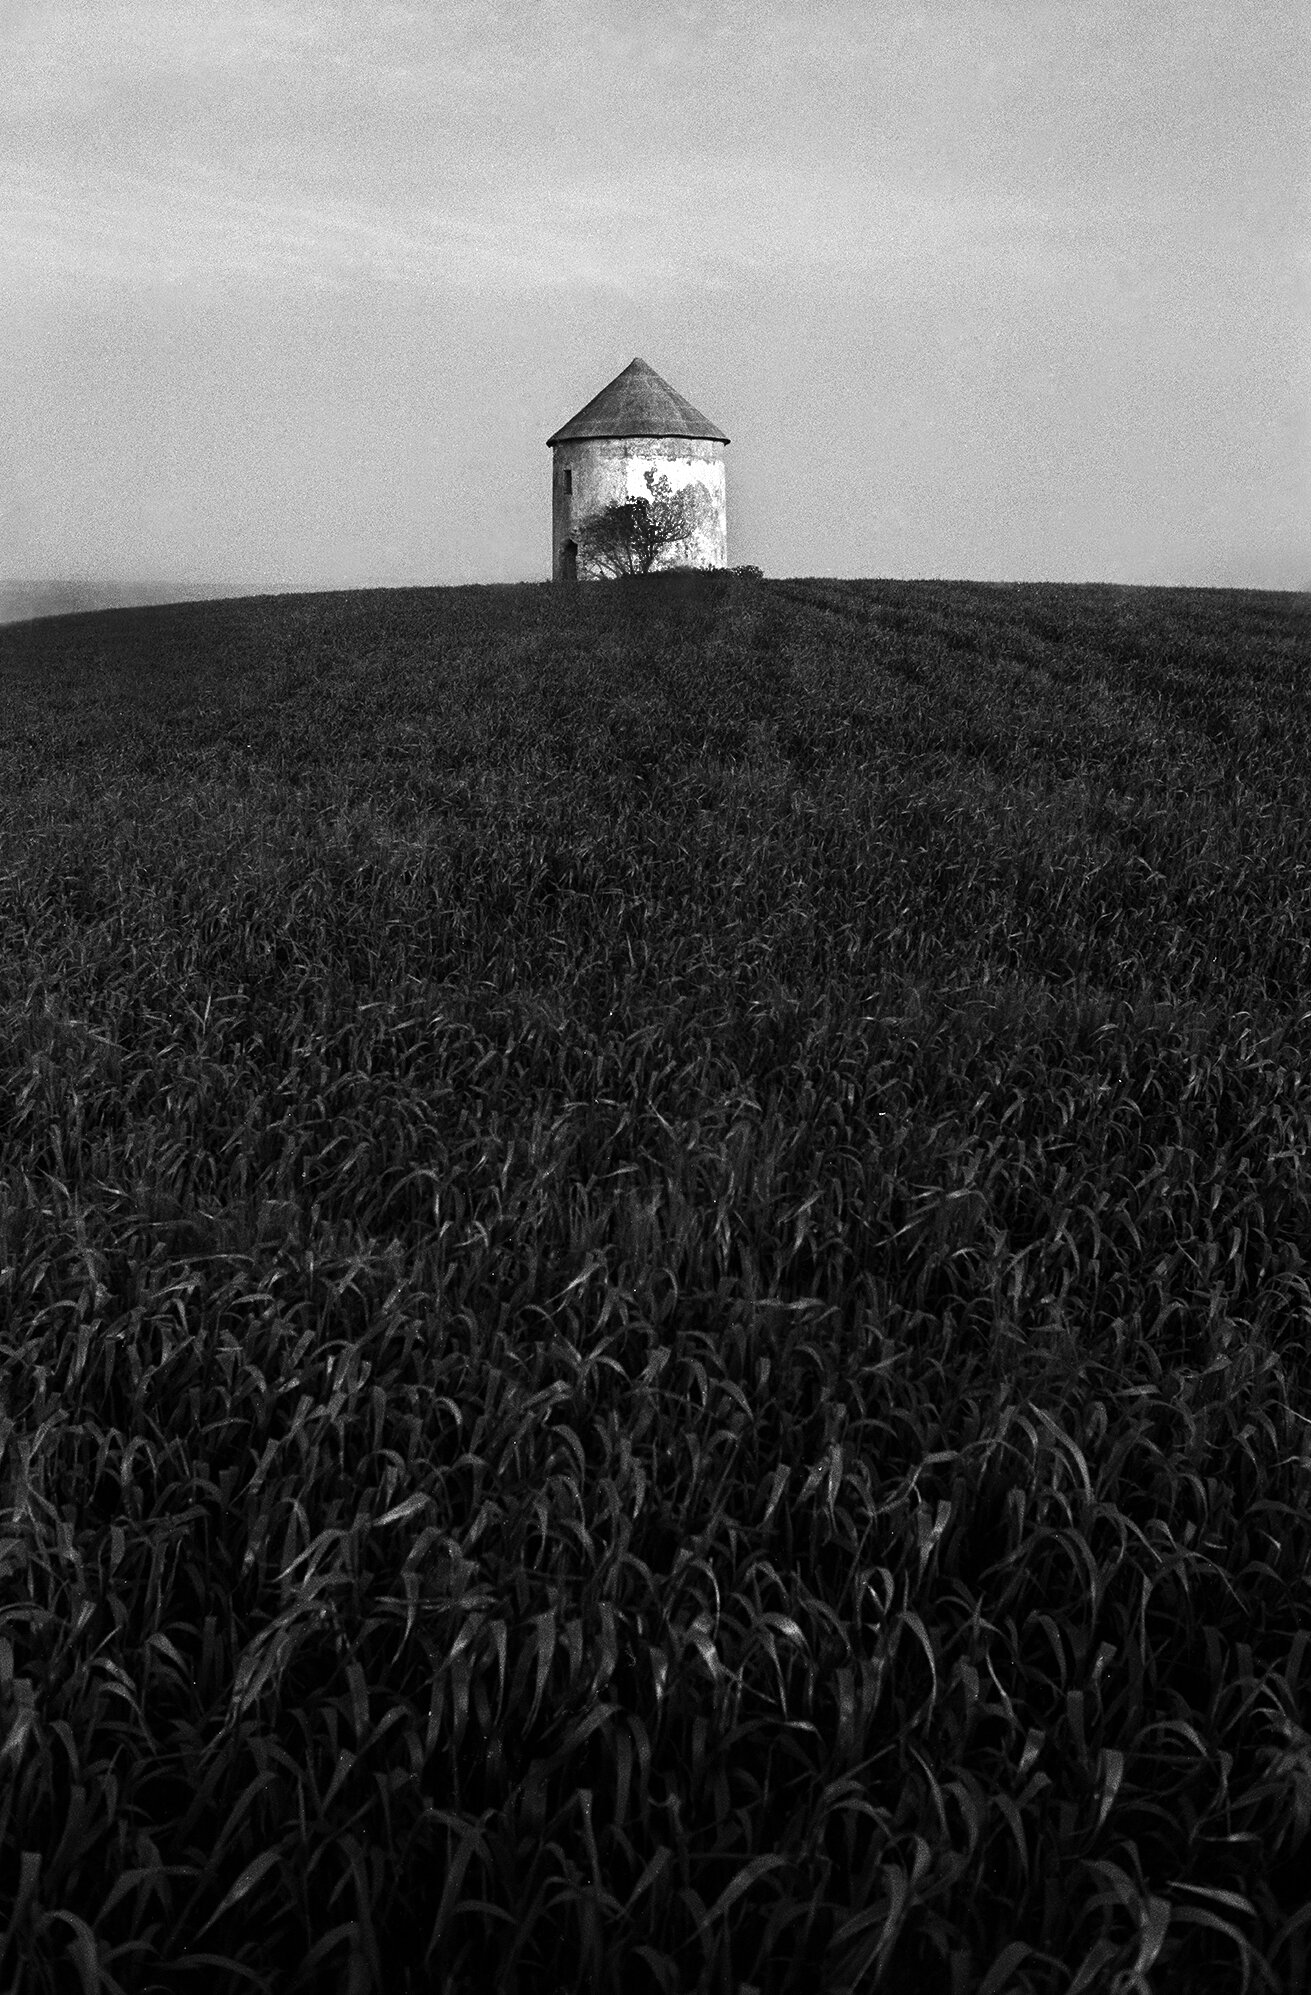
609 468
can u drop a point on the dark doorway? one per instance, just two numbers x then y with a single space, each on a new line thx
569 561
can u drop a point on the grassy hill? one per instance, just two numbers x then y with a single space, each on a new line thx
654 1306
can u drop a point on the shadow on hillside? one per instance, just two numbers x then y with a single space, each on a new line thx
675 589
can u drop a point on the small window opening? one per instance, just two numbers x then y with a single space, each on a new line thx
568 479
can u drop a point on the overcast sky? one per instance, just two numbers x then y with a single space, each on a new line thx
293 292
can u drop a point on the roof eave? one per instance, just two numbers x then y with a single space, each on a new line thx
633 435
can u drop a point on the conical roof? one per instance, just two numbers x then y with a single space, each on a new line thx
638 403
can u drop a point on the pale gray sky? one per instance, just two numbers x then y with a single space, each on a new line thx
292 292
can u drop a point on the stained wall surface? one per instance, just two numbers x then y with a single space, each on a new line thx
606 469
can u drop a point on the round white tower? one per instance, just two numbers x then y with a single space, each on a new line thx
635 426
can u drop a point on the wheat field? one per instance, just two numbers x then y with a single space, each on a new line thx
654 1292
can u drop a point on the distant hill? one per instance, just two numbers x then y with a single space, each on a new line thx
21 601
